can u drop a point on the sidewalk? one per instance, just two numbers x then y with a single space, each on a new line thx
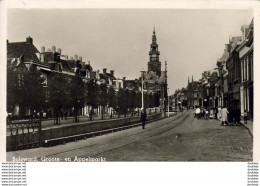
249 126
48 124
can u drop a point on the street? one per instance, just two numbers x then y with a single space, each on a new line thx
178 138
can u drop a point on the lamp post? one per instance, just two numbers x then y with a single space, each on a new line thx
142 73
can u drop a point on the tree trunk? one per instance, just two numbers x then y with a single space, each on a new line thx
31 115
91 114
59 116
111 114
56 117
102 112
76 114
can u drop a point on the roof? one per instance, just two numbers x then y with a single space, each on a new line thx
252 24
234 41
111 76
224 57
87 67
106 76
132 84
192 85
48 56
65 65
71 62
18 49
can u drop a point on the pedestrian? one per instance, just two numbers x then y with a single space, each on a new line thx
197 113
44 114
206 114
211 113
219 113
216 112
245 117
231 115
143 118
202 113
237 115
224 114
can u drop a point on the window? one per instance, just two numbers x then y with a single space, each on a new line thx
245 69
249 67
252 65
242 70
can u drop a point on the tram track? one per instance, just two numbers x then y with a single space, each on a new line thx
143 132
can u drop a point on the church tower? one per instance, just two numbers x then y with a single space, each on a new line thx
154 64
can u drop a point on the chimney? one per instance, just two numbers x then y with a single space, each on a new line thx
124 78
71 57
59 50
104 70
112 72
76 57
80 58
43 49
227 47
29 40
53 48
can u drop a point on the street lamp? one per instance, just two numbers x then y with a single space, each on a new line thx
142 73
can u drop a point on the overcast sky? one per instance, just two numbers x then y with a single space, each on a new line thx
119 39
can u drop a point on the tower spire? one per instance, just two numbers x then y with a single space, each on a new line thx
192 79
154 63
188 79
153 29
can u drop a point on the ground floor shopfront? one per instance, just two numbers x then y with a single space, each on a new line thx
247 100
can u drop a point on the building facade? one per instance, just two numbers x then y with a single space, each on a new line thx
246 59
155 80
232 85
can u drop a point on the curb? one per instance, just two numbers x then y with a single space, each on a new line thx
63 140
248 130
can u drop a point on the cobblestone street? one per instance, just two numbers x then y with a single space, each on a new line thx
190 140
178 138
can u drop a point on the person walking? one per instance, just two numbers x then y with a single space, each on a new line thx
231 115
237 115
219 113
224 114
245 117
216 112
197 113
143 118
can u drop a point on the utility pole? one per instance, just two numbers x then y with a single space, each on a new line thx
165 90
142 73
168 102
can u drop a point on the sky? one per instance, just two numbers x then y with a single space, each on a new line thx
189 40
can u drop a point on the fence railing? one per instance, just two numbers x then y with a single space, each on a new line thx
23 134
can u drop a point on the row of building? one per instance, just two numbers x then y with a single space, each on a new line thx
231 82
23 55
